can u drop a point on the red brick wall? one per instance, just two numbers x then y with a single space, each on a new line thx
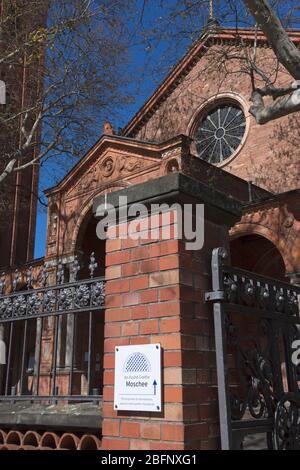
154 294
262 158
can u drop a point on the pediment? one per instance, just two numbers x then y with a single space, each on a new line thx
220 36
110 166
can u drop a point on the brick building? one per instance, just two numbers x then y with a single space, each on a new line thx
88 296
23 88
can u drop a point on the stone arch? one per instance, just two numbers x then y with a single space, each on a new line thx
257 254
278 225
87 207
280 247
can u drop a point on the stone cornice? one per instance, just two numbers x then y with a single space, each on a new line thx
177 187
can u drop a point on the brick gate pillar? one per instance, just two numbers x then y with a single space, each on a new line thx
155 294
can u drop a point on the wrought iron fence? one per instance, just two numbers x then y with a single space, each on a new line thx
51 338
256 332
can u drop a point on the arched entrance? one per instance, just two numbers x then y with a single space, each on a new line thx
87 242
80 337
257 254
88 327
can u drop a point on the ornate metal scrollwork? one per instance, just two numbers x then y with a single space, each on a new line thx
279 300
49 301
98 294
248 291
19 306
34 304
93 265
82 296
264 296
76 295
242 289
292 303
65 299
6 308
231 289
254 390
255 346
287 423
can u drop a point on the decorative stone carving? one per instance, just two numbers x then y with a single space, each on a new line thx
277 219
108 167
122 165
128 164
90 180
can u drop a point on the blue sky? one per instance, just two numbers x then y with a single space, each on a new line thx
150 60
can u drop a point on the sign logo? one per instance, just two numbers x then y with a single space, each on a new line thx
137 362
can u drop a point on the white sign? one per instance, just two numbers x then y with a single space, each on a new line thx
138 378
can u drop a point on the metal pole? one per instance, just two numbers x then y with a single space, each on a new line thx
38 352
23 356
222 374
217 296
90 351
72 357
11 332
55 356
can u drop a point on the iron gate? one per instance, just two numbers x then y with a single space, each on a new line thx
257 343
50 337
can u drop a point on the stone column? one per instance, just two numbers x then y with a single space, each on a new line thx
155 294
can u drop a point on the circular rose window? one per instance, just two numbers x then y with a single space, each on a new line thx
220 133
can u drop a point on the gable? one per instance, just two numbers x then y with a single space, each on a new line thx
112 159
154 122
109 168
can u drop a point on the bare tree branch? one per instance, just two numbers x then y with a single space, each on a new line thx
285 50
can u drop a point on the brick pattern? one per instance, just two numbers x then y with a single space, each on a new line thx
143 306
264 143
154 294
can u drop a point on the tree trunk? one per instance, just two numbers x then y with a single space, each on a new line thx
285 50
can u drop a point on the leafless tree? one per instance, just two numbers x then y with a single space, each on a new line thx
273 78
64 65
286 100
76 64
184 20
